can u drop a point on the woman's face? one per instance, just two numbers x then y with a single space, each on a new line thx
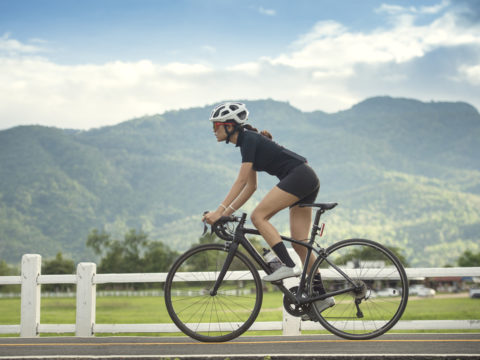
219 131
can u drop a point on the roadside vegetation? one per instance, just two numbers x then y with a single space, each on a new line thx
136 253
151 310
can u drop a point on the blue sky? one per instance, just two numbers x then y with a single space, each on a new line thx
86 64
98 31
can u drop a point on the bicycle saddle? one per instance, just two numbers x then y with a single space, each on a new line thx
322 206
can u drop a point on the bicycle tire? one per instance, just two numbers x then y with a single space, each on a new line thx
375 270
217 318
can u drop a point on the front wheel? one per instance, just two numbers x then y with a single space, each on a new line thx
203 315
378 289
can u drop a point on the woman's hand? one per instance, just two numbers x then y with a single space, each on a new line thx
212 217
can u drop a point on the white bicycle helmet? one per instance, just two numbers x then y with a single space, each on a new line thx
230 111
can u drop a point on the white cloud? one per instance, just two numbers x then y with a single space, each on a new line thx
268 12
12 47
332 46
37 90
470 74
398 9
181 69
250 68
434 9
330 68
209 49
391 9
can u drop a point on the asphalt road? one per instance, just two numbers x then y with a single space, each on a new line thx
398 346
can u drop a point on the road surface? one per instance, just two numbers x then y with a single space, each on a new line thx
398 346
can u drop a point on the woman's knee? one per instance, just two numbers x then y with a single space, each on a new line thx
256 218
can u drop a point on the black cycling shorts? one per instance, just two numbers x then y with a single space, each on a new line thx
302 182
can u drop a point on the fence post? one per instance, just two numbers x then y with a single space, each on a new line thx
30 302
291 324
86 299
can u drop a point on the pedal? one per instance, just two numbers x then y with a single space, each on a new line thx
310 316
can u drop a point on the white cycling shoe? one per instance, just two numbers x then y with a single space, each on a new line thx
324 304
320 305
283 272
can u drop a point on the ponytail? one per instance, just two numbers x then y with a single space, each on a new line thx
263 132
266 134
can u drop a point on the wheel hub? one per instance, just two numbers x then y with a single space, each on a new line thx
361 289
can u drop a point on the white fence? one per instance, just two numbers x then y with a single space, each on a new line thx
87 278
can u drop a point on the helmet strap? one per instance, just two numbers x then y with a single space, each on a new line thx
230 133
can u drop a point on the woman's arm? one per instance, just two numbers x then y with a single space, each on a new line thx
244 185
246 193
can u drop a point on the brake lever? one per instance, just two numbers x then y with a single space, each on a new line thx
217 224
205 228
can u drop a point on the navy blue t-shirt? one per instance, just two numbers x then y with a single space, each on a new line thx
267 155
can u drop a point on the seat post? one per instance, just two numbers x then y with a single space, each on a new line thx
318 214
315 227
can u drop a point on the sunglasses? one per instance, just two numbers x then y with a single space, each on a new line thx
216 125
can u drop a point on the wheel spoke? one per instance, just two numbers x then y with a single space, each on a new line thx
374 270
219 317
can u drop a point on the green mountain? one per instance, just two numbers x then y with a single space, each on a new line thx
405 173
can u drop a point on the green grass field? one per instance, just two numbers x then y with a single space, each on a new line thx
144 310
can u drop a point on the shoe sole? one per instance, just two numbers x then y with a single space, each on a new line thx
283 278
326 306
286 277
306 317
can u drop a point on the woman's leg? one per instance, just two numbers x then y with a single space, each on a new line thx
272 203
276 200
300 224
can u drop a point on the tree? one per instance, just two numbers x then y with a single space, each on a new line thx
369 253
135 253
58 266
200 264
6 270
159 257
135 245
207 238
468 259
98 241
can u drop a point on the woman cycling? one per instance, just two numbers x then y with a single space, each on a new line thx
298 185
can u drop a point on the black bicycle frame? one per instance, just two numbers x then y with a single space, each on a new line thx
240 239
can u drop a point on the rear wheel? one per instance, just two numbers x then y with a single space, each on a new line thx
378 289
219 317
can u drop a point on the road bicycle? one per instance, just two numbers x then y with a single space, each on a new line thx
213 292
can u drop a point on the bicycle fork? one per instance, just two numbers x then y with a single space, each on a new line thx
232 249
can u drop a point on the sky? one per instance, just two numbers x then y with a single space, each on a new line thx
92 63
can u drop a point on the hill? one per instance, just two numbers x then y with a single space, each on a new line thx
405 173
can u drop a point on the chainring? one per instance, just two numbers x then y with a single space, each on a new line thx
294 309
